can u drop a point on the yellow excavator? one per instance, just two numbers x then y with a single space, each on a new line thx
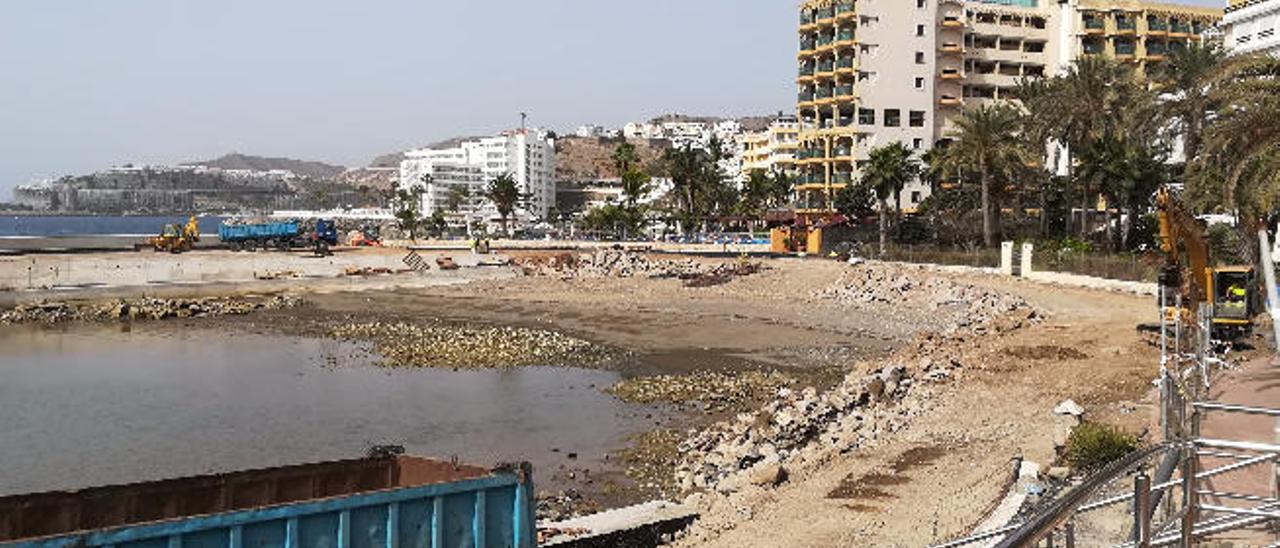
1228 291
177 238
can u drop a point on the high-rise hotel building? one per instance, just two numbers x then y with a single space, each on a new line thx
875 72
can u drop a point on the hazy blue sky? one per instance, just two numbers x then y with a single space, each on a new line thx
87 84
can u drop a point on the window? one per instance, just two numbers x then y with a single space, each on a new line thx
915 197
919 30
919 83
920 4
917 143
919 57
916 118
892 117
866 117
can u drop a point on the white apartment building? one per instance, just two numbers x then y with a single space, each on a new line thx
527 155
771 149
1252 26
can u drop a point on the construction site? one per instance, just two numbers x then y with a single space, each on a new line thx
738 397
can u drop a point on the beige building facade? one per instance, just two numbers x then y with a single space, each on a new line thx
772 149
875 72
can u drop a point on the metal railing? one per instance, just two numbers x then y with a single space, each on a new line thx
1158 518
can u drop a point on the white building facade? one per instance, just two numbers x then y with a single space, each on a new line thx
1252 26
527 155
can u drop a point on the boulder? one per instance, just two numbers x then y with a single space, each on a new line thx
1069 407
767 474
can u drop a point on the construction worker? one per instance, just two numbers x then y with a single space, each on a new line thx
1236 295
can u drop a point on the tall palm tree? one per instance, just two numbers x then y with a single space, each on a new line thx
985 140
887 171
1096 97
504 193
1185 81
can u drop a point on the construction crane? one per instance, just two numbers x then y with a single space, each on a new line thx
1228 291
176 238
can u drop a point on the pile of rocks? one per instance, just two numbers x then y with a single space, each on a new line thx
955 305
613 263
439 344
708 391
753 447
138 309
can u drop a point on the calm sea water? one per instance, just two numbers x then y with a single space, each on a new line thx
96 406
86 225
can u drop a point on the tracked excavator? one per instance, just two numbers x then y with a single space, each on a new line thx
1228 292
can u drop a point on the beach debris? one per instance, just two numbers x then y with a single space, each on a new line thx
708 391
464 346
142 309
614 263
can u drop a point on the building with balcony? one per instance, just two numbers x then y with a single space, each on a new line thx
875 72
1252 26
867 75
1134 31
528 155
773 148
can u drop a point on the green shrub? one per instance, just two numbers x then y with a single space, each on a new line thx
1092 446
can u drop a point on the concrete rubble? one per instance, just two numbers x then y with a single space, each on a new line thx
611 263
798 426
954 305
141 309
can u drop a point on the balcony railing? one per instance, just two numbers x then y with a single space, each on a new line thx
826 66
804 97
823 93
844 35
825 39
841 152
1125 48
844 90
1092 23
841 178
1180 27
1157 48
806 70
1126 24
844 7
806 45
826 13
844 62
1093 48
1157 25
806 17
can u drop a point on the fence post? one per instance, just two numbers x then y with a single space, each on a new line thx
1142 510
1006 258
1028 249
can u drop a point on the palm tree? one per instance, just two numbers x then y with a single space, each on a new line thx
1240 164
985 140
1098 96
888 170
1184 80
504 193
625 158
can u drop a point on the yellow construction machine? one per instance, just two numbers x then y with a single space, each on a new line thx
177 238
1228 292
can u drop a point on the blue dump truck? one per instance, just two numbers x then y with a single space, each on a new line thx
378 502
318 235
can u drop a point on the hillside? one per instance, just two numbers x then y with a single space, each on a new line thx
303 168
579 158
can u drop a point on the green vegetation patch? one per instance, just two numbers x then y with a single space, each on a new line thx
1092 445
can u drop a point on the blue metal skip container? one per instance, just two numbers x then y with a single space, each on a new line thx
261 231
387 502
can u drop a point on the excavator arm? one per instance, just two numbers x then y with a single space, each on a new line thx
1181 234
